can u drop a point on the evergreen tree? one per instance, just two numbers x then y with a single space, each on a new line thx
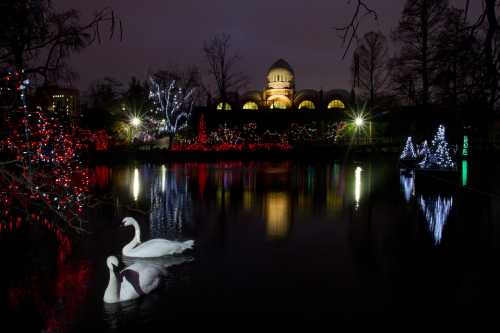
439 156
408 152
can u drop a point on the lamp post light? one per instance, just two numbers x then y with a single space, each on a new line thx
359 122
135 122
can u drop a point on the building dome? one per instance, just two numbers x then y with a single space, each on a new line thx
280 75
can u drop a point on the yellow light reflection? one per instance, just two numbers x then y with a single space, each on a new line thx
163 177
357 185
248 200
277 214
136 185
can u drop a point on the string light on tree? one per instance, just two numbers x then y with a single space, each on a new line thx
439 156
173 106
408 152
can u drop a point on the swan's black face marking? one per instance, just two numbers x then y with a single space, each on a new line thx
133 277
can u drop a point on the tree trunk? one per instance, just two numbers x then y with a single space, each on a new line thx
425 55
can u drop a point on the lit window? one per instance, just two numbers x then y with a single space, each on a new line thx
307 105
224 106
336 104
278 105
250 106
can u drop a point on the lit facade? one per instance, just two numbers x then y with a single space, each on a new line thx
280 94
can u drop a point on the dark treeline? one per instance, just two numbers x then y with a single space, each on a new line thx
445 60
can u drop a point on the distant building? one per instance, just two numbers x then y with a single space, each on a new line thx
62 102
279 104
280 94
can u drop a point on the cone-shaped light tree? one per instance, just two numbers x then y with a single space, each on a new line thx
408 152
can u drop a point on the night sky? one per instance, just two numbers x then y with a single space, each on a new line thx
162 33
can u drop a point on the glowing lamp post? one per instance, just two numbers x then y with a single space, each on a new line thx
359 121
135 122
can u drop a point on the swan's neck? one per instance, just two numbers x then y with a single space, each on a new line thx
136 240
111 295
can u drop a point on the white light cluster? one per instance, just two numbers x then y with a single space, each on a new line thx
436 211
408 152
438 156
173 104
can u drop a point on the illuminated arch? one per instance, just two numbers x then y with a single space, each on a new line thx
336 104
279 102
250 105
224 106
307 104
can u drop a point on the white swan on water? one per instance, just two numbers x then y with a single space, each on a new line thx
152 248
133 282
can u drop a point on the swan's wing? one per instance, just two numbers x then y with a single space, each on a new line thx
158 247
139 279
163 261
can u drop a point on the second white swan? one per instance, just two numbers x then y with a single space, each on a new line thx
153 248
133 282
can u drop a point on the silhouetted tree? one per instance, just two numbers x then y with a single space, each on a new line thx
349 32
36 38
370 65
103 104
222 66
458 76
418 33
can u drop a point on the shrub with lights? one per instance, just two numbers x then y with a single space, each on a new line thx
42 173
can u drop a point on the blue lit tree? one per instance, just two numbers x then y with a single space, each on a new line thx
173 106
408 152
439 156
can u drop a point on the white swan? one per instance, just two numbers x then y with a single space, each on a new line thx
152 248
133 282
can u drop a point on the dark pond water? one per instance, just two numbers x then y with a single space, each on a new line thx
280 241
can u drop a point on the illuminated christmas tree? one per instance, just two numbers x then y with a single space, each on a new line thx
423 153
439 156
408 152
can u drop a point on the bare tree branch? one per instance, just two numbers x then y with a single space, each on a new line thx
349 32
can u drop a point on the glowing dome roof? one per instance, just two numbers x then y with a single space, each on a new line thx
282 64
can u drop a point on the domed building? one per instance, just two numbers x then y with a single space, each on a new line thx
280 94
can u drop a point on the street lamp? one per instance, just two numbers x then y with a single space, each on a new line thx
135 121
359 121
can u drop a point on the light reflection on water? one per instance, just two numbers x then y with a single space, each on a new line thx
275 192
436 211
136 185
407 180
357 185
435 205
310 230
277 214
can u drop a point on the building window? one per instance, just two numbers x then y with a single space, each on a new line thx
250 106
336 104
278 105
224 106
307 105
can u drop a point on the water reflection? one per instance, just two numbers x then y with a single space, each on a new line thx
335 188
357 186
135 185
163 177
464 172
436 211
407 180
277 214
171 204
